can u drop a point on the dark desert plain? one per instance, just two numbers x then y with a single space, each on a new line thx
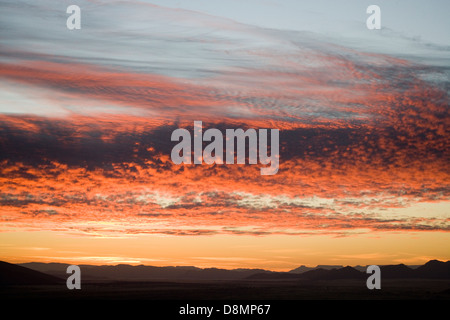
399 282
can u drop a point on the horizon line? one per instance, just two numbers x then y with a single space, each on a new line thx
222 268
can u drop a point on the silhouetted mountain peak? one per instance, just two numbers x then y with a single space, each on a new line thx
434 263
301 269
12 274
328 267
434 269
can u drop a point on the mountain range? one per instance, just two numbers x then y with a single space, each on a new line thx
124 272
35 273
433 269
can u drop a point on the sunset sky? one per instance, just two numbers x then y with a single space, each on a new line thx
86 118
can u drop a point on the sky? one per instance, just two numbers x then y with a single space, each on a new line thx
424 20
86 118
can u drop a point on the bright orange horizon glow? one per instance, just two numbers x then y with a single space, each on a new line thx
277 253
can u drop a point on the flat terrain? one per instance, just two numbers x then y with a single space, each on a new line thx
235 290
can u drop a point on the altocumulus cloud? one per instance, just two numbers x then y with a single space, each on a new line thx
361 133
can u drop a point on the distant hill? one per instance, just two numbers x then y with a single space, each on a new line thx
360 268
12 274
433 269
313 274
143 273
329 267
271 275
302 268
333 274
399 271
